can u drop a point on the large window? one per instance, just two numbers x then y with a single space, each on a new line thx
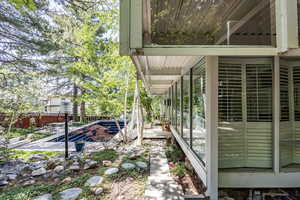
198 95
290 114
210 22
186 108
178 95
245 113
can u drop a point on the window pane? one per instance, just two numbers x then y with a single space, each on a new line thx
178 106
217 22
230 92
259 93
186 113
199 131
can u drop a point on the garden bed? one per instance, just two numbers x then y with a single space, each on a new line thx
59 175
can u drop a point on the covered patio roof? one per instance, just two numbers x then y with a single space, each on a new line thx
159 72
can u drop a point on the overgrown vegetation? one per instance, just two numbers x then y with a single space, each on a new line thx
26 154
106 154
24 133
179 170
174 153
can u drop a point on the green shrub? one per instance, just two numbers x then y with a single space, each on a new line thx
179 170
174 153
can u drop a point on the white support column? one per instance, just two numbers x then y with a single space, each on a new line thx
276 115
136 24
286 24
212 126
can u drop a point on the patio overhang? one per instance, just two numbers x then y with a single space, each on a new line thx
159 72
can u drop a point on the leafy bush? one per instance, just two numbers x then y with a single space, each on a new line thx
174 153
179 170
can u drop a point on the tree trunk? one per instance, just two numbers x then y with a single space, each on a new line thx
125 109
75 103
140 118
82 108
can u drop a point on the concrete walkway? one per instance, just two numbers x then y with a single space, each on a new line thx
160 185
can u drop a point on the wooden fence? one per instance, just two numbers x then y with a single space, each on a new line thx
40 120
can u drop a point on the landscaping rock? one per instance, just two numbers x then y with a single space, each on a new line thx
12 177
142 164
127 166
39 172
111 171
70 194
106 163
90 164
74 167
59 169
30 182
37 157
94 181
3 177
44 197
3 183
97 190
68 179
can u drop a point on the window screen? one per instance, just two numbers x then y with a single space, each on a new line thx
230 92
259 93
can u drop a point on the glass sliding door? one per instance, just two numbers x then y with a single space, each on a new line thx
178 105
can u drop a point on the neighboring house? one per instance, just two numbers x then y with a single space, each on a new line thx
57 104
231 70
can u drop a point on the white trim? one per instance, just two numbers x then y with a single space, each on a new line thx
276 115
286 24
196 163
212 64
208 51
258 180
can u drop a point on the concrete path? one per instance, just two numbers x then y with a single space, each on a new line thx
160 185
156 133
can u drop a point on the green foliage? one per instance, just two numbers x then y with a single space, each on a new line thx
30 4
26 154
179 170
174 153
25 193
23 133
106 154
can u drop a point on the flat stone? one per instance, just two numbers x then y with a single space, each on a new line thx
12 176
127 166
3 177
37 157
70 194
44 197
106 163
30 182
74 167
111 171
94 181
141 164
90 164
68 179
97 190
39 172
59 169
3 183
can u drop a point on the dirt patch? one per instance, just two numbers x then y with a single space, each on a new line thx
128 189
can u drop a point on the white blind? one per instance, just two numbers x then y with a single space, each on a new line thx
230 92
284 93
259 93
